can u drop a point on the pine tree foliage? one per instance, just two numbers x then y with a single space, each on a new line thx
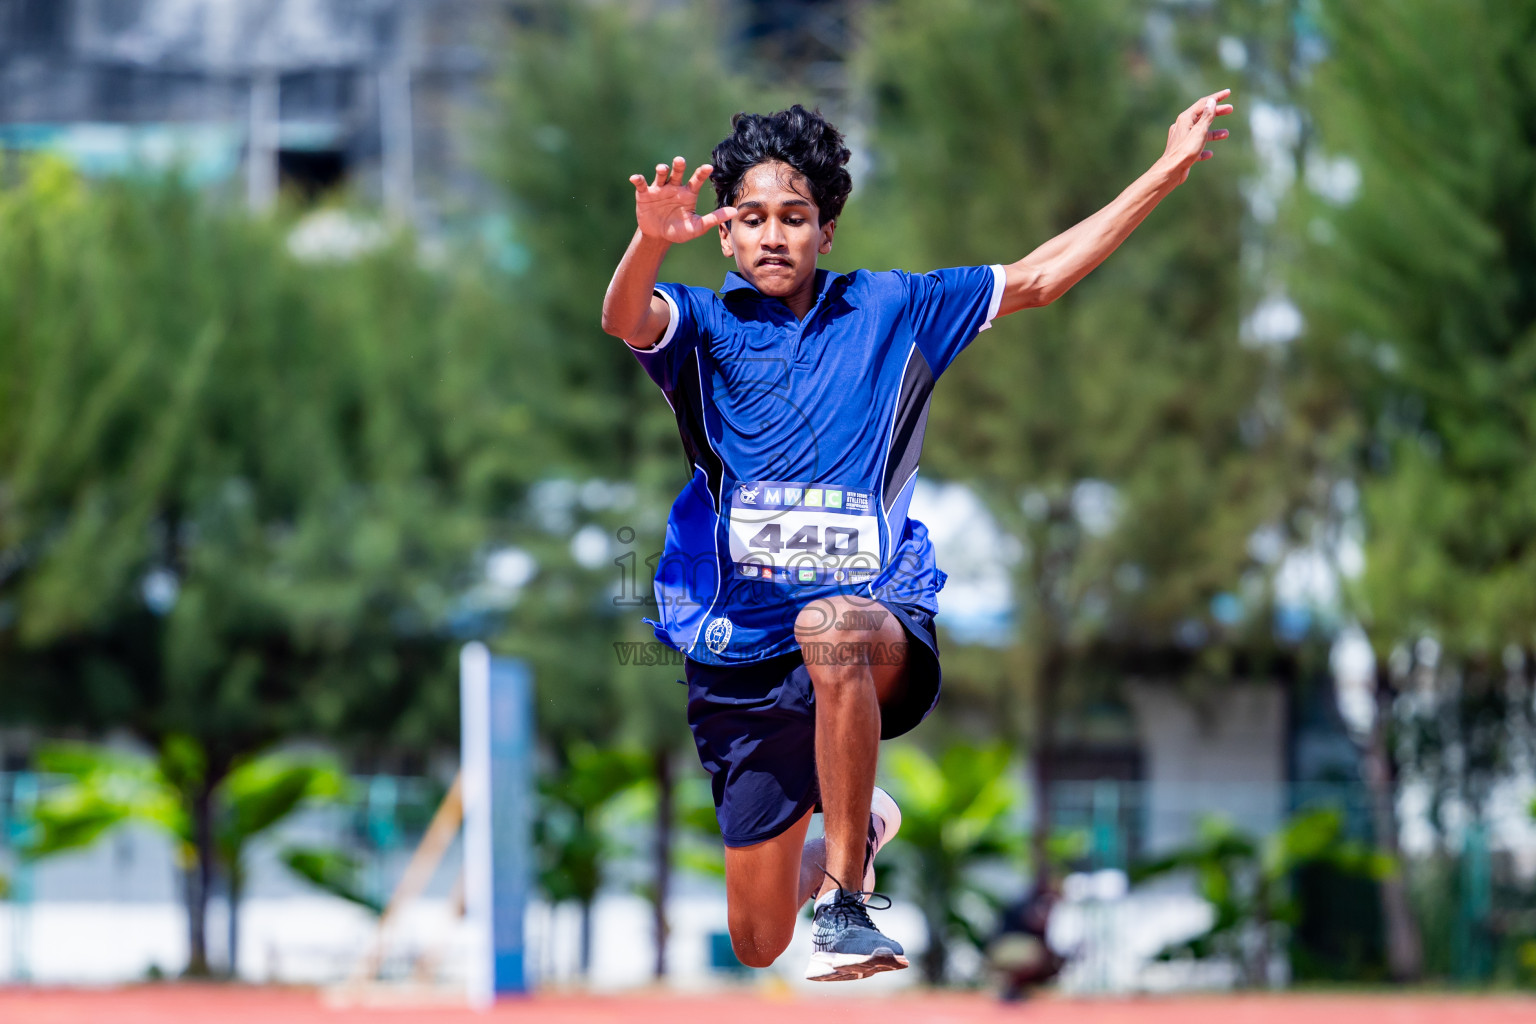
1419 285
1123 434
245 496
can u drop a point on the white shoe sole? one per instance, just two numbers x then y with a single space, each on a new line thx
852 966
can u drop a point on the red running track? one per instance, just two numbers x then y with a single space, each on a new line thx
186 1004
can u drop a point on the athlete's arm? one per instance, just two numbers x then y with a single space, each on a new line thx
1045 275
665 212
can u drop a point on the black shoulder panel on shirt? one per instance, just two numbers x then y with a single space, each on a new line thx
911 419
687 401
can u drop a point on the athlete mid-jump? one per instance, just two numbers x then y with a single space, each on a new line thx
792 577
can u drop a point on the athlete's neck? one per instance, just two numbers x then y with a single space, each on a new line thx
802 299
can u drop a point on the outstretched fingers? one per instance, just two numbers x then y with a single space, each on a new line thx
665 205
675 174
716 217
1207 107
1192 131
1214 107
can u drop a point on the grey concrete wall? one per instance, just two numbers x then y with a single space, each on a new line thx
1220 754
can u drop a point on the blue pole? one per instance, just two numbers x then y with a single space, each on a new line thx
497 722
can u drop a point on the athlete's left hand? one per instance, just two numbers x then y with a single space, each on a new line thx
1188 135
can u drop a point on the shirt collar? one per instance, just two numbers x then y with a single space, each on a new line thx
825 279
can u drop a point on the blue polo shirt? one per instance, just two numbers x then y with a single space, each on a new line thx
804 437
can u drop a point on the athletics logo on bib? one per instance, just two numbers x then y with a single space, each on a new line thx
717 635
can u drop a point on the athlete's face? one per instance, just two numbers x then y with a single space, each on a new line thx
777 233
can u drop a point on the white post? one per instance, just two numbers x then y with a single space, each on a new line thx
262 141
396 131
475 771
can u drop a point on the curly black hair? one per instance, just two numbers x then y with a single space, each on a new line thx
801 138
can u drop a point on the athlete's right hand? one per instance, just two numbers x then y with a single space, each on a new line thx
666 209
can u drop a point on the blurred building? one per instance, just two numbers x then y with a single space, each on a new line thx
256 95
806 40
1138 769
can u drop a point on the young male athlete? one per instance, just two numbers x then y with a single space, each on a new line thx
792 577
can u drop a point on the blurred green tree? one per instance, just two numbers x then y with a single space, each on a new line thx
245 496
572 124
1123 436
1415 269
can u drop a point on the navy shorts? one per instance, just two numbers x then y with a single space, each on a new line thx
755 727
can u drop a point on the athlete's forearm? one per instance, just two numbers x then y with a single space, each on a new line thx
1050 270
630 309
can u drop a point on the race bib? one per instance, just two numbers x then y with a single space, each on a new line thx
804 533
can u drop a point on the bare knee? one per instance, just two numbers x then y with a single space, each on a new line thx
758 947
816 621
827 649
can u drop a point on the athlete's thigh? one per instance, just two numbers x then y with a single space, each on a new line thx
835 629
762 886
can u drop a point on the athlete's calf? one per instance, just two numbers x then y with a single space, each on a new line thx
855 652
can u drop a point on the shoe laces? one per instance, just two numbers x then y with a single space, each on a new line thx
849 906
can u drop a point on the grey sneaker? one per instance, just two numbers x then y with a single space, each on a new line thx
846 944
